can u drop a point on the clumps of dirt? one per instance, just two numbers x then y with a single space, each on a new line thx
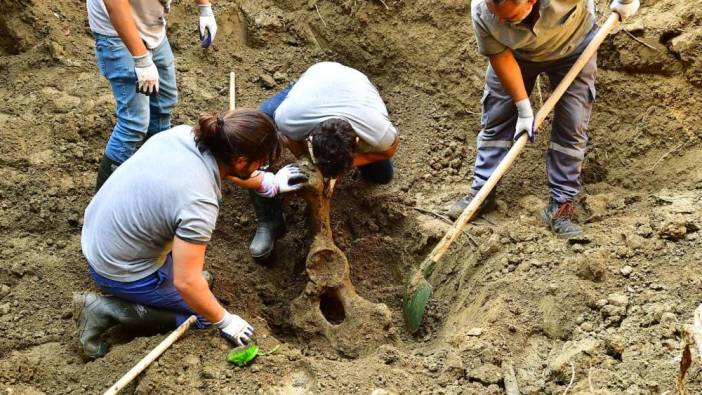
512 303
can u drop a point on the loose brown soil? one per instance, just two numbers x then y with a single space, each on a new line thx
609 308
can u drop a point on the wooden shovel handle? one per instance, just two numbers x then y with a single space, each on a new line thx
518 146
151 356
232 91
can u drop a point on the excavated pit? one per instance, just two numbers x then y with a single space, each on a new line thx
612 305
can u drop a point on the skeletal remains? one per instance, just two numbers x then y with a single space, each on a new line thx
329 304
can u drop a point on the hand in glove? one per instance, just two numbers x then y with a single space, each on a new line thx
147 74
525 120
208 25
289 178
235 329
625 8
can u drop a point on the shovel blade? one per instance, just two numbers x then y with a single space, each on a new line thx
416 299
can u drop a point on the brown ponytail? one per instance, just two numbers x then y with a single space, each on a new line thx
244 132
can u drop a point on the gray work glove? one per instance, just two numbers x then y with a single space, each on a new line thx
625 8
525 120
235 329
147 74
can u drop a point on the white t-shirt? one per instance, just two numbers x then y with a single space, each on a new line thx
331 90
149 16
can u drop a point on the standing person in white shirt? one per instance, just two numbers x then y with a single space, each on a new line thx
133 53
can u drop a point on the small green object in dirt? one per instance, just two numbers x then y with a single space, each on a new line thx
242 356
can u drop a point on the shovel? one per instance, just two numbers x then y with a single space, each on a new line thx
418 290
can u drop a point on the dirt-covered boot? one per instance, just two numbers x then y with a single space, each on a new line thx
486 206
94 314
270 225
107 167
559 217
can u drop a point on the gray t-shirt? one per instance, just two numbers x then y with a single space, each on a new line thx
561 27
149 17
331 90
167 188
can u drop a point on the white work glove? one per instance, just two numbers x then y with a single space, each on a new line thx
624 9
235 329
208 25
147 74
525 120
289 178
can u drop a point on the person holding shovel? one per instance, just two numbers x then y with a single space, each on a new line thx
134 55
522 39
146 230
338 112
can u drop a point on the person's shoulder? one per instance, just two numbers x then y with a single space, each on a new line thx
334 69
479 10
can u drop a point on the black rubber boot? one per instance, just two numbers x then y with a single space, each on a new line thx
486 206
270 225
559 217
94 314
107 167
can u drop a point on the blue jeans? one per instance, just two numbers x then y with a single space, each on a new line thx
155 290
138 115
380 172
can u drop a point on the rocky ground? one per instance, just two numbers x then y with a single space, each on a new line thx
604 313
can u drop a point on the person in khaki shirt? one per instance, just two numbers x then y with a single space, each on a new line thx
522 39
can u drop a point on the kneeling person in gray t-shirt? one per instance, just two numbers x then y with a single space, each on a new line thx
146 230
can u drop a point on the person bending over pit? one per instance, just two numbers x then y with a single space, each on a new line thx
342 113
146 230
134 55
522 39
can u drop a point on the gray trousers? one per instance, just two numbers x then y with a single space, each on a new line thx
566 150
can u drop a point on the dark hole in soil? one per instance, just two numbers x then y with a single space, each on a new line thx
331 306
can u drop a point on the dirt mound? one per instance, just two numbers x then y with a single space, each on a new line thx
520 305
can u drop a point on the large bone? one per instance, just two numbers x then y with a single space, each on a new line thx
329 304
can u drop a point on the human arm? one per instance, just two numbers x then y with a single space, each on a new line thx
365 158
510 75
120 13
253 182
268 184
188 261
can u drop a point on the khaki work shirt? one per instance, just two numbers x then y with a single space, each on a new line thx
560 28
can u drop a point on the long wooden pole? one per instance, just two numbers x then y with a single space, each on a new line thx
150 357
451 235
232 92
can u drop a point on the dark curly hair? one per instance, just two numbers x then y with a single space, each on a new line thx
334 146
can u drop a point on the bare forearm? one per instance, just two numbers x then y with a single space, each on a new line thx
253 182
121 16
509 73
367 158
199 297
370 157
